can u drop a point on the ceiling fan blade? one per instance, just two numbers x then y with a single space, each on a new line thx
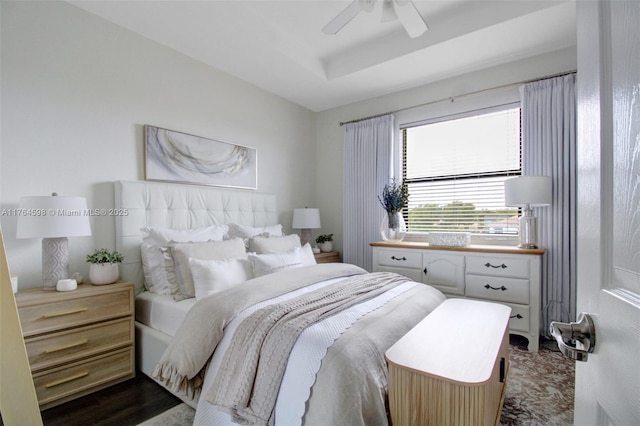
343 18
410 18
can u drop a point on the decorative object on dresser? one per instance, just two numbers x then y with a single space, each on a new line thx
305 220
502 274
328 257
325 242
449 239
442 384
394 199
78 342
104 266
53 218
527 192
180 157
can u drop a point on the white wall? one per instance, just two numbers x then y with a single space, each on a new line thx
408 105
76 92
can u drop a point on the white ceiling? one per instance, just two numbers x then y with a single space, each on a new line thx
278 45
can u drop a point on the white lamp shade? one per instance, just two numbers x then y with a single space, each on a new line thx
53 217
306 218
531 190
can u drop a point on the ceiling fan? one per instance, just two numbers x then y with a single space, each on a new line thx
404 10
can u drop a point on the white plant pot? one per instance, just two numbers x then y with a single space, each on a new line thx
326 246
103 273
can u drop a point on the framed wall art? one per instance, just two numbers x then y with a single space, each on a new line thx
180 157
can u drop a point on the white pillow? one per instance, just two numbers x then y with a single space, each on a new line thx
264 264
154 238
213 276
177 257
306 254
262 245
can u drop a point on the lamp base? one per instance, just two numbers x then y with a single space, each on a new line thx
528 230
55 261
305 236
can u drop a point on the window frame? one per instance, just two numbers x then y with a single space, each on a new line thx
454 108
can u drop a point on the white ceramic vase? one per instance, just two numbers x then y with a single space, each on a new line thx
326 247
103 273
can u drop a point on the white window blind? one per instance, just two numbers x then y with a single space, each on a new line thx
455 170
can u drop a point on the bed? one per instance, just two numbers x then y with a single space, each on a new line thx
214 350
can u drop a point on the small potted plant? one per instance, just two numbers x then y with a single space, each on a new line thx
325 242
104 266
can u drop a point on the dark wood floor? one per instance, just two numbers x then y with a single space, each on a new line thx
127 403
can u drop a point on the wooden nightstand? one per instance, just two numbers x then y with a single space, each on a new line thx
78 341
328 257
440 378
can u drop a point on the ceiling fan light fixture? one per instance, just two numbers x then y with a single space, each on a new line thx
404 10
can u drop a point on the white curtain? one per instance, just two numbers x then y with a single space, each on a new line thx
367 168
549 149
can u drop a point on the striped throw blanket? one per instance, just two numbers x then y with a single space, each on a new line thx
249 378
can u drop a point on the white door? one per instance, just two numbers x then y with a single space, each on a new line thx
608 383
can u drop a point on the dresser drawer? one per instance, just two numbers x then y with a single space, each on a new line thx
72 379
55 314
400 258
512 290
519 319
499 266
70 345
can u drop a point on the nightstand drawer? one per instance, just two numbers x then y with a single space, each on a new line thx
512 290
59 312
71 379
70 345
498 266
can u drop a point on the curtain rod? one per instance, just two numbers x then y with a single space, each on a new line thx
342 123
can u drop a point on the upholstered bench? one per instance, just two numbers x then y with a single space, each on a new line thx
440 378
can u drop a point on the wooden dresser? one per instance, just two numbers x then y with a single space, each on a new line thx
328 257
437 377
78 341
507 275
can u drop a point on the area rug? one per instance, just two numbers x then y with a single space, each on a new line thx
540 391
180 415
540 388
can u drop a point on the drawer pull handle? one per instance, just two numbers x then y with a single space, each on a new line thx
62 313
425 270
487 286
488 265
398 258
516 316
63 347
67 379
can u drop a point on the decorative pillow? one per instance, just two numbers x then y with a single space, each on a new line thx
264 264
306 254
154 238
213 276
177 261
263 245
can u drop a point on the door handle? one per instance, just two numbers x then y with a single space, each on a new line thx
582 333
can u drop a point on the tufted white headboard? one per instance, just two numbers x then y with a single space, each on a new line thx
176 206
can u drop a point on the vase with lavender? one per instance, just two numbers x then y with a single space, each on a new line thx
395 196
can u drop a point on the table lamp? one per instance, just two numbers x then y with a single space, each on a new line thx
53 219
306 219
527 192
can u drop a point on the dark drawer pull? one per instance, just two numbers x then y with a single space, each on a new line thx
487 286
516 316
488 265
398 258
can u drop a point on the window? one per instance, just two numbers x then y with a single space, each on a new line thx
455 171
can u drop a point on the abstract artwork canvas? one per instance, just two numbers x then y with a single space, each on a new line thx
180 157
